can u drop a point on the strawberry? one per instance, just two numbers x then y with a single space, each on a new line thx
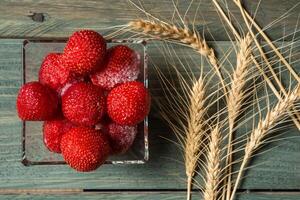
84 149
84 52
53 73
128 103
53 131
83 104
121 137
36 102
121 65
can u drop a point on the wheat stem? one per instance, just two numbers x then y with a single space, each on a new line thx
259 134
261 32
213 168
189 187
219 8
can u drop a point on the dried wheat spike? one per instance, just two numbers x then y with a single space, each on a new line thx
195 130
213 169
258 135
236 93
261 131
183 35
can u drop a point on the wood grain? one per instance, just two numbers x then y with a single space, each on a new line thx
144 196
55 18
276 169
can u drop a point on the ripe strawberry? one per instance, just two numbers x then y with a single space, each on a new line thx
84 52
121 65
128 103
36 102
83 104
53 131
53 73
121 137
84 149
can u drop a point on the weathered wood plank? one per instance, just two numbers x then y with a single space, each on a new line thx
276 169
99 196
145 196
57 18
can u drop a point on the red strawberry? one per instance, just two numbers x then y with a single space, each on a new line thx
84 52
121 137
53 73
53 131
36 102
84 149
83 104
121 65
128 103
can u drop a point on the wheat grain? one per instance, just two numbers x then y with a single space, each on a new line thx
213 168
195 130
259 134
236 96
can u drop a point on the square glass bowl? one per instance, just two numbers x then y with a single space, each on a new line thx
34 151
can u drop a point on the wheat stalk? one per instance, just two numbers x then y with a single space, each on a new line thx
195 131
263 55
184 35
236 96
258 135
185 113
270 43
213 168
296 116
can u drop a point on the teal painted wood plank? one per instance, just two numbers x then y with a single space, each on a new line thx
269 196
276 169
101 196
60 18
145 196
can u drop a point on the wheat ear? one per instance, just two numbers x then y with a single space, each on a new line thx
195 131
236 96
259 134
213 168
184 35
236 93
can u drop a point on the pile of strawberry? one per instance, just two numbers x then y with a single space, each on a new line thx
89 100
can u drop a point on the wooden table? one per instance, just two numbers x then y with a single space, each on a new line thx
276 176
